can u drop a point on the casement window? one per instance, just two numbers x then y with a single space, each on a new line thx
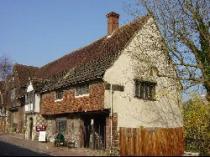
61 124
145 90
82 90
59 95
29 98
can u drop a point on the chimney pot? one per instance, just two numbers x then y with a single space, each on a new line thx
112 21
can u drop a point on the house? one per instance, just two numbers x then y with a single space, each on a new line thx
3 113
15 87
2 104
125 79
34 119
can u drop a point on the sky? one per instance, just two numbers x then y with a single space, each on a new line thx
36 32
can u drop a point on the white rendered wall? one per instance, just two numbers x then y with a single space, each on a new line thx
30 87
37 103
135 62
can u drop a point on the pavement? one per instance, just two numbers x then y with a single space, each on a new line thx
23 147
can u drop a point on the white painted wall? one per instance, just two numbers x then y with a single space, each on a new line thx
30 87
134 112
37 103
28 107
36 106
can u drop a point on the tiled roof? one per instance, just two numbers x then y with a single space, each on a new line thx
19 78
38 84
90 62
23 73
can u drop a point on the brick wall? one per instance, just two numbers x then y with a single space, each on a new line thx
69 104
115 134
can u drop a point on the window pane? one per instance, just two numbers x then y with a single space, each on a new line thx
145 90
59 94
61 126
141 90
82 90
137 91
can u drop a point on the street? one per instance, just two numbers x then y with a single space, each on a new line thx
7 149
16 145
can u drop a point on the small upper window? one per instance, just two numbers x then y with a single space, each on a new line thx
145 90
59 94
82 90
29 98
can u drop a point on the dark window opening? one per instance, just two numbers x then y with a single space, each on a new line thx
29 98
145 90
59 94
82 90
61 124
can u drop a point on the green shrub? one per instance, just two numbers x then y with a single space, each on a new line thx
197 125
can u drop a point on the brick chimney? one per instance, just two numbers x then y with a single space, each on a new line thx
112 21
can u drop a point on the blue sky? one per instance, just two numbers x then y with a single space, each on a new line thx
35 32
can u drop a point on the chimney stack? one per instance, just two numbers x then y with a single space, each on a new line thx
112 21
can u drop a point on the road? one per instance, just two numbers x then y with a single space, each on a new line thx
7 149
16 145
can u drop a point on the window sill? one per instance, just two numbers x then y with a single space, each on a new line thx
59 100
145 99
84 95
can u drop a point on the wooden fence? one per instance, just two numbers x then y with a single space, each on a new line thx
148 141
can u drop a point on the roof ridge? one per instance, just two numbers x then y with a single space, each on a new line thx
95 41
23 65
103 50
72 52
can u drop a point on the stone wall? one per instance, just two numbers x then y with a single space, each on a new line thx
37 121
74 131
70 103
51 128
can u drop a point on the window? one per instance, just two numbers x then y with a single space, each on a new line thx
82 90
29 98
59 94
145 90
61 125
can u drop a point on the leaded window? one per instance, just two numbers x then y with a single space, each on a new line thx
145 90
29 98
59 94
61 124
82 90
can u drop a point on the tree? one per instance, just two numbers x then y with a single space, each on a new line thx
197 125
184 25
5 67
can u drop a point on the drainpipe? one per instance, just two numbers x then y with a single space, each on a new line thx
111 101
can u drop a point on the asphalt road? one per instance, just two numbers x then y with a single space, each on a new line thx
7 149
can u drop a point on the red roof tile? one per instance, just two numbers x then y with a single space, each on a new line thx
91 61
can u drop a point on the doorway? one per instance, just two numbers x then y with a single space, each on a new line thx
30 127
94 130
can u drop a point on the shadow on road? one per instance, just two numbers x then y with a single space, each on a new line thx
7 149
